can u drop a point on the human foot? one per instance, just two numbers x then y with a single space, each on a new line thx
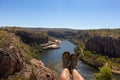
74 60
66 59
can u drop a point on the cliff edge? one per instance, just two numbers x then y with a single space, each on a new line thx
16 61
108 46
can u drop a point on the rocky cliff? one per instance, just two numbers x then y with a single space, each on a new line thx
32 37
35 70
16 63
105 45
11 60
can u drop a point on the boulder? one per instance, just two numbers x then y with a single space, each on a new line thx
35 70
11 61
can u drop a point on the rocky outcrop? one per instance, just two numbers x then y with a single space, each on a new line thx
41 72
35 70
30 37
16 62
11 57
11 61
106 45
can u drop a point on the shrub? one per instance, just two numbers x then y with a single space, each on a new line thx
104 74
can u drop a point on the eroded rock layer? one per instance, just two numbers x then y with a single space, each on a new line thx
106 45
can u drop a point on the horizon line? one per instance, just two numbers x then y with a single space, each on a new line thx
60 27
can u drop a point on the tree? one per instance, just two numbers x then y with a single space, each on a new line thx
104 74
77 50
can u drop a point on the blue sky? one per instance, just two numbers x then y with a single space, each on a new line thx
76 14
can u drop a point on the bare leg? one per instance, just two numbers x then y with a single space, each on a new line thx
76 75
65 74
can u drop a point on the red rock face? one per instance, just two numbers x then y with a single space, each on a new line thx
108 46
11 61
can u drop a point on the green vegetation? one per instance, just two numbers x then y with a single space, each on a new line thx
9 38
28 41
80 37
104 74
96 60
32 76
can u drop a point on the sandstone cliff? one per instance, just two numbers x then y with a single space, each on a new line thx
105 45
32 37
16 63
35 70
11 60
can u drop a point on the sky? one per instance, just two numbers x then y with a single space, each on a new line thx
75 14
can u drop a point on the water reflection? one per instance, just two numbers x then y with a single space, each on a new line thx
52 59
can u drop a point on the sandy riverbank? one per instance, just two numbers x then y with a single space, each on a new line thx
51 45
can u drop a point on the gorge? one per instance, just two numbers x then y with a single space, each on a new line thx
21 49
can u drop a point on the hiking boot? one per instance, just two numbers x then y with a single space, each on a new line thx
66 59
74 60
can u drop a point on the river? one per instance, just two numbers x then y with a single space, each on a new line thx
52 59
